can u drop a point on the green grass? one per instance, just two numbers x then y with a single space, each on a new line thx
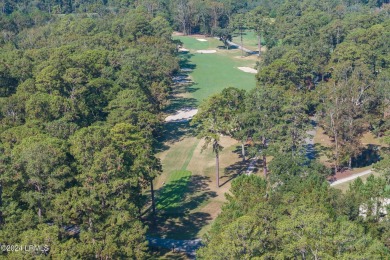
249 39
170 197
214 72
178 200
179 157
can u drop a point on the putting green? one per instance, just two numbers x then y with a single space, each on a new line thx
216 71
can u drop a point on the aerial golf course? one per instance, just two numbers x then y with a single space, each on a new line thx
187 199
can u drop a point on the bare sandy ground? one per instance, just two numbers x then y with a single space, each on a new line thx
206 51
247 69
183 50
182 115
201 40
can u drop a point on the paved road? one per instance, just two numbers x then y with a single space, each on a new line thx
187 246
350 178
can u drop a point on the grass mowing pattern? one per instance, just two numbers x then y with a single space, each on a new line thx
211 74
216 71
171 195
180 193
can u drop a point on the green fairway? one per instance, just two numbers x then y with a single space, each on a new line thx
249 39
181 193
171 197
216 71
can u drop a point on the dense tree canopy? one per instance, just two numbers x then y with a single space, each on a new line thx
80 104
82 87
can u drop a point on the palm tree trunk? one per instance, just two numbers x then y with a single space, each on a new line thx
242 43
264 158
1 204
350 163
217 168
153 200
243 151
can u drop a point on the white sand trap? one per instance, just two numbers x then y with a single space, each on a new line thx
183 50
247 69
201 40
206 51
182 115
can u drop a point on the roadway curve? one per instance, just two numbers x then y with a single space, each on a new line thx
350 178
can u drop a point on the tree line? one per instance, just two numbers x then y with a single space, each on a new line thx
80 108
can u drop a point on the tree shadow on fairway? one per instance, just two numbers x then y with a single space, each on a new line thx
178 103
173 132
368 156
233 171
176 202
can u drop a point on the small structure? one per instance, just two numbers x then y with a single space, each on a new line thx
376 207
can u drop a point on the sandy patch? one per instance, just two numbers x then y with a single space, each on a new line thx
182 115
247 69
206 51
201 40
183 50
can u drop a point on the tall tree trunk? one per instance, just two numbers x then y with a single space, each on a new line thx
350 163
39 211
242 44
265 165
39 204
1 204
153 200
259 43
243 151
217 167
264 157
336 164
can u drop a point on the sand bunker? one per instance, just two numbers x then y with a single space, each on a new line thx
183 50
206 51
202 40
182 115
247 69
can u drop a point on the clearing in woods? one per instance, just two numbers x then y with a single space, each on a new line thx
186 197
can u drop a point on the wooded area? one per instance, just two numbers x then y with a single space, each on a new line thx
80 106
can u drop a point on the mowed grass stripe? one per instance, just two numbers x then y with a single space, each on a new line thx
177 156
189 157
171 195
216 71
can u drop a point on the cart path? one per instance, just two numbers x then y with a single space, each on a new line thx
350 178
187 246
